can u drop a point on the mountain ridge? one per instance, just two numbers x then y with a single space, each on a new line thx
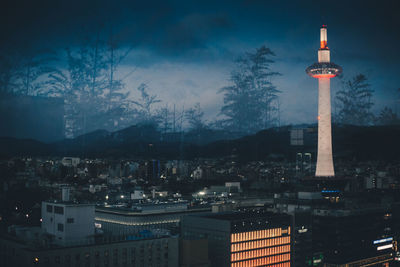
145 141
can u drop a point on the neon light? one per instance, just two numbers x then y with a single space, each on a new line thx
265 243
383 240
324 75
384 247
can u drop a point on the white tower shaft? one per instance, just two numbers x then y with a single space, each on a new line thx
324 156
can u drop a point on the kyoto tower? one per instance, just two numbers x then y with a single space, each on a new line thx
324 70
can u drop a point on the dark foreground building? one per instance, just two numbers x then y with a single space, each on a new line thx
113 251
354 237
251 238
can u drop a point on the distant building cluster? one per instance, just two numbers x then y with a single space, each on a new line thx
202 212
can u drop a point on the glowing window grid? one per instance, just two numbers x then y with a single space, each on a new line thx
261 248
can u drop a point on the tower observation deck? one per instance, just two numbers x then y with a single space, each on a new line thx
324 70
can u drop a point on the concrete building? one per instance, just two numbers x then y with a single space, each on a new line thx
252 238
137 194
68 238
324 70
70 161
123 221
67 222
193 253
162 251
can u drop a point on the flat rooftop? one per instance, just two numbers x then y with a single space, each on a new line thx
242 215
67 203
129 212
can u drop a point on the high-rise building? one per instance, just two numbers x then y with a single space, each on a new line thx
251 238
324 70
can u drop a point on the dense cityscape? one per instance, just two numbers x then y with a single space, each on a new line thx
98 168
138 212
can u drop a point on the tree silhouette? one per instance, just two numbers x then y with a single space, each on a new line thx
8 72
194 117
250 103
387 117
146 105
354 101
94 97
23 72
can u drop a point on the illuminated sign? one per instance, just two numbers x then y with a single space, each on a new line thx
330 191
383 240
384 247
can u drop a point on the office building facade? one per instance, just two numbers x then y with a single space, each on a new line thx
252 238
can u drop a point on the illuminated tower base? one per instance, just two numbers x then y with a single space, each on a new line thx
324 70
324 159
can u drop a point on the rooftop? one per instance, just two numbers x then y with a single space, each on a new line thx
67 203
240 216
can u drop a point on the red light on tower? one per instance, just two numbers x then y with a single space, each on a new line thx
324 45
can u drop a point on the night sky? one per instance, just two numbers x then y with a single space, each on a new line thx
184 50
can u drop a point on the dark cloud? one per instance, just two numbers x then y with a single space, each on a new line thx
362 35
194 30
161 25
367 27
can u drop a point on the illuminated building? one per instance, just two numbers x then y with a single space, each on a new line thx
122 221
324 70
251 238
